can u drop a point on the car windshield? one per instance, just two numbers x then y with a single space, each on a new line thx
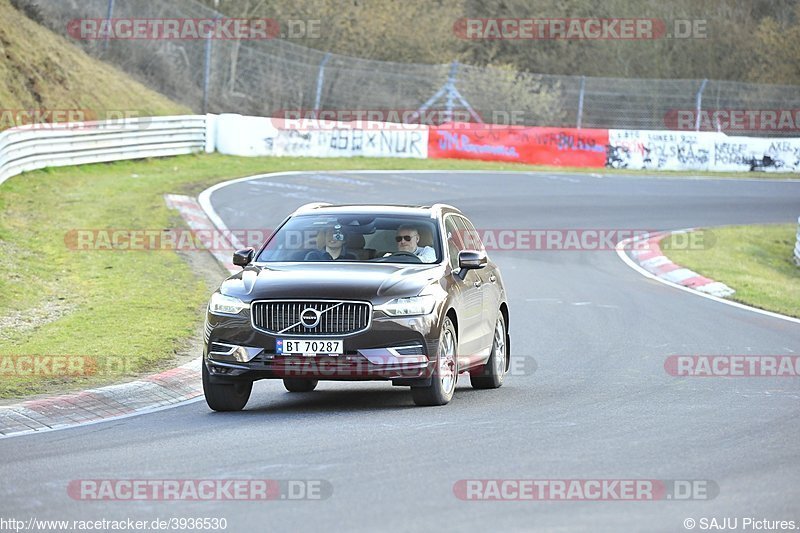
355 237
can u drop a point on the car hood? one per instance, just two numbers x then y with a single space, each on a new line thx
345 281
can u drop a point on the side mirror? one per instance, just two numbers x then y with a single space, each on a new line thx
244 257
469 260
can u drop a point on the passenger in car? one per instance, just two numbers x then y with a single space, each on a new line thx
332 246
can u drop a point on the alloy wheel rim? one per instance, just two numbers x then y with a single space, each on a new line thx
447 362
499 347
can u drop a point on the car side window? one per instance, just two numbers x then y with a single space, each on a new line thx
454 241
470 237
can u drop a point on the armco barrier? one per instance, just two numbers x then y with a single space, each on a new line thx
32 147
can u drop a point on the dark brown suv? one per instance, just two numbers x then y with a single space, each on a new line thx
356 292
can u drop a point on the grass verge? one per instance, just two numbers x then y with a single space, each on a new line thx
755 260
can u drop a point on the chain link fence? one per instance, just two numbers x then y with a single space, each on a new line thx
266 76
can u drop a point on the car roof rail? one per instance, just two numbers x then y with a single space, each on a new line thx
310 206
439 207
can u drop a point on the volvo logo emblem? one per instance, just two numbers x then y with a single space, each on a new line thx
309 317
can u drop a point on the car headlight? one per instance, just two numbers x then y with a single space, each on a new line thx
226 305
416 305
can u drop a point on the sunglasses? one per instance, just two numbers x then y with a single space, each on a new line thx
401 238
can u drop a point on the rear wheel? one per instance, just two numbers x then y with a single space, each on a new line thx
492 374
299 385
225 396
445 371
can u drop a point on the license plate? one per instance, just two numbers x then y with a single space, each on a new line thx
309 347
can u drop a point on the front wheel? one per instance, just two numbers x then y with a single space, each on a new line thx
445 372
492 374
225 396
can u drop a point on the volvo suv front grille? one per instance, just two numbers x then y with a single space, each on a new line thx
311 317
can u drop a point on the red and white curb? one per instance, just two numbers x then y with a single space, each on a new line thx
149 394
652 259
626 245
146 395
207 233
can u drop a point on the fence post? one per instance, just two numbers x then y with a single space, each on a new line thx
109 16
451 94
320 79
206 72
698 105
580 101
451 82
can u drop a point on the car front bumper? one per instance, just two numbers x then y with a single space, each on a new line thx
392 348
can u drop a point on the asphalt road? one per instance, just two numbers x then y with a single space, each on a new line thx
599 405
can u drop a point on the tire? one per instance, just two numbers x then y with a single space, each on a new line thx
445 372
300 385
492 374
224 396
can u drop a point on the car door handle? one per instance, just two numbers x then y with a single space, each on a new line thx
492 278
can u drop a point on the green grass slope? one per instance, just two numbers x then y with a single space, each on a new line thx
42 70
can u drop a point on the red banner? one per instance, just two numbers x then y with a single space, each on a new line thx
568 147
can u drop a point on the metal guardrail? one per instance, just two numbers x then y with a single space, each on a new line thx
797 244
33 147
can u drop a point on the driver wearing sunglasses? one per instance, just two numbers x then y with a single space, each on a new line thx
408 241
